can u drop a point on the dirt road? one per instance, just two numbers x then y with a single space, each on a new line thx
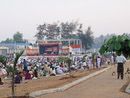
102 86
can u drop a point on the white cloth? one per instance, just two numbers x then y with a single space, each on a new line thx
98 62
112 59
59 71
89 61
84 64
120 59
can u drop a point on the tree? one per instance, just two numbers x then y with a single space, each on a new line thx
84 57
70 29
47 30
13 70
3 60
8 40
66 29
99 40
18 38
87 38
68 61
119 44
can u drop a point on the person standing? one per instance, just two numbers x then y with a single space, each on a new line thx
98 62
25 65
112 59
120 67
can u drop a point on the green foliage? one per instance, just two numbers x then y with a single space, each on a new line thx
8 40
87 38
52 30
17 37
98 41
3 60
68 30
119 44
66 60
17 57
83 59
13 70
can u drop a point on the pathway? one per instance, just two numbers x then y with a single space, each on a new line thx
102 86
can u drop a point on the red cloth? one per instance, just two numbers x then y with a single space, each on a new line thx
1 83
28 76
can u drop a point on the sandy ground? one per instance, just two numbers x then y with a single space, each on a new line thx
29 86
104 85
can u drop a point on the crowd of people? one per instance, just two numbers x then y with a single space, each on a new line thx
30 68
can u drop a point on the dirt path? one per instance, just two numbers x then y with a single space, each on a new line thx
102 86
28 86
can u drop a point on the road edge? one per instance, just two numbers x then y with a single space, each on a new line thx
65 87
127 90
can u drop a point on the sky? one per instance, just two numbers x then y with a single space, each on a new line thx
104 16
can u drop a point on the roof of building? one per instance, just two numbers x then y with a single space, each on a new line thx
14 44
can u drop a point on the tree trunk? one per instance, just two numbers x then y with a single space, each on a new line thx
13 95
69 64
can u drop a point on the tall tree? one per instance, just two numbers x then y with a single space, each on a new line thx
65 29
47 31
87 38
70 29
18 37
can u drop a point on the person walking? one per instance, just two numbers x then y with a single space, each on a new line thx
120 67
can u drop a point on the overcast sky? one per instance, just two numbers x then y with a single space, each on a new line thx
104 16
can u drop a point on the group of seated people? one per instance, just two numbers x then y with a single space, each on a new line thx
36 68
28 76
47 69
53 70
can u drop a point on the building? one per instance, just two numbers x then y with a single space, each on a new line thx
10 48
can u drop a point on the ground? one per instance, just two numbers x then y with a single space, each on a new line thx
104 85
29 86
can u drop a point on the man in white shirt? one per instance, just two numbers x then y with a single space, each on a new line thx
120 68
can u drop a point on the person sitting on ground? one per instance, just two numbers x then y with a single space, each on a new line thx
59 70
18 78
53 72
65 69
1 83
43 72
35 74
28 76
72 67
84 65
24 72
